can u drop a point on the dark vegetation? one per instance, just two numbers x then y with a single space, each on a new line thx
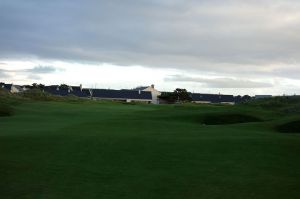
179 95
228 118
37 86
290 127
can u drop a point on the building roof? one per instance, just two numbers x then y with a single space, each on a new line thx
64 92
53 90
213 98
7 86
76 88
122 94
79 93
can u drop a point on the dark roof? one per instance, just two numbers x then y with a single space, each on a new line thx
52 87
122 94
28 86
76 88
213 98
7 86
79 93
64 92
140 88
53 90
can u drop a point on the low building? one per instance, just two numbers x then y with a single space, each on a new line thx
122 95
13 88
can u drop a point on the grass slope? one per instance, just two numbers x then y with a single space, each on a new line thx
105 150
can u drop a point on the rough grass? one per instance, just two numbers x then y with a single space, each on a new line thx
7 101
39 95
290 127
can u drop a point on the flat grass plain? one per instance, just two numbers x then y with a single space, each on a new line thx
54 150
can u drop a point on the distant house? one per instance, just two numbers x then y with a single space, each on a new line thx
122 95
76 91
13 88
154 93
212 98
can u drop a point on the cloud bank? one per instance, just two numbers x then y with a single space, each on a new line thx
41 69
234 38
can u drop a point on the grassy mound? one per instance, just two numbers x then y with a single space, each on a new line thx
290 127
6 102
228 118
3 92
37 94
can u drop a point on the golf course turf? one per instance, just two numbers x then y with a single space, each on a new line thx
53 150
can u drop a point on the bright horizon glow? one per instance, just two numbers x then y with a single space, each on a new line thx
109 76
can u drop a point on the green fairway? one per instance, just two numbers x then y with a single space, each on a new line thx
53 150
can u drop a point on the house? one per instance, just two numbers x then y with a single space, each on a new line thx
71 90
55 90
13 88
212 98
154 93
122 95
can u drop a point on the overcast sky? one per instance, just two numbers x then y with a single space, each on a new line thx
212 46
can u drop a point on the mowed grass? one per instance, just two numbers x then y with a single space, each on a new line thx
54 150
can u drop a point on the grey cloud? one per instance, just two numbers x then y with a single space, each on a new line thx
34 77
209 35
34 70
34 73
219 82
41 70
4 74
287 72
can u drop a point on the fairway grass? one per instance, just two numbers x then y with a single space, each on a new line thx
53 150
